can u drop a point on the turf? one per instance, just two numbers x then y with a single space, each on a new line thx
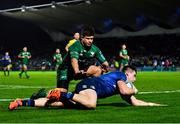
109 110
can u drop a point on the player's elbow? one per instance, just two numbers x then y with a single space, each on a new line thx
134 101
124 92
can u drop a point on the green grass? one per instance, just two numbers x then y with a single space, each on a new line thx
111 110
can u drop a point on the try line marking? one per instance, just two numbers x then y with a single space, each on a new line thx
152 92
156 92
22 87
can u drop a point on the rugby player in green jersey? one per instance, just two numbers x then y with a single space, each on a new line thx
124 58
57 58
24 56
81 60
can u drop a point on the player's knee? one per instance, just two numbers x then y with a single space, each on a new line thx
98 71
94 70
134 101
91 105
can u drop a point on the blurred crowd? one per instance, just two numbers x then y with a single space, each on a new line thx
156 52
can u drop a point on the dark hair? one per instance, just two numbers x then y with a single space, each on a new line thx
87 31
129 67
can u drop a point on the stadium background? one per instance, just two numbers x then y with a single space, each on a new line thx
149 32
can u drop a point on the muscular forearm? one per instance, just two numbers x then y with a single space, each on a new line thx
137 102
105 66
74 63
124 89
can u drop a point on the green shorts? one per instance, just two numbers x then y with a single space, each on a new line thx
123 62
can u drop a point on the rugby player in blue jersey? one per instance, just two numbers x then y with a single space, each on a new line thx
89 90
6 61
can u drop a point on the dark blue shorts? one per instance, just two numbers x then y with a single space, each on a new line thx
5 64
96 84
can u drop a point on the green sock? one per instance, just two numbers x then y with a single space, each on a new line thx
4 73
21 72
8 72
26 74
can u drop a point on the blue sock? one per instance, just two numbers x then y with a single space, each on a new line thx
68 95
28 102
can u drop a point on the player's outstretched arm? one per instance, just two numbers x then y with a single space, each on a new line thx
137 102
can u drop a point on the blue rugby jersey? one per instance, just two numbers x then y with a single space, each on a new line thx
110 83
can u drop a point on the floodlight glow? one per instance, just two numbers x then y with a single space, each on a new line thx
53 4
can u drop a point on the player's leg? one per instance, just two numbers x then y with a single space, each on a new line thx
94 71
8 69
123 63
121 67
87 98
64 75
56 67
25 70
22 71
20 102
41 102
4 70
85 93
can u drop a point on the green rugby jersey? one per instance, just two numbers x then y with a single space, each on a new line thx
25 56
58 58
124 52
86 56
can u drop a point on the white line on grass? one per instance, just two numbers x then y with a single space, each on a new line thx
152 92
21 87
157 92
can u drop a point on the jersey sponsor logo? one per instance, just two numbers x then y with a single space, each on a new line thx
92 54
84 86
92 87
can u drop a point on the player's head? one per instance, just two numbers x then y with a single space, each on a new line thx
24 49
123 46
87 36
76 36
57 50
130 72
6 53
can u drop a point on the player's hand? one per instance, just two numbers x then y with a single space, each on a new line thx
156 104
127 57
105 68
80 75
135 90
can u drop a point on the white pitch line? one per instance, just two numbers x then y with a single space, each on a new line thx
152 92
21 87
157 92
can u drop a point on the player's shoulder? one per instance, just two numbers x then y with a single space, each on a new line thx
75 45
71 41
94 47
120 74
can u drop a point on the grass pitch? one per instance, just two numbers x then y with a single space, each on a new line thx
109 110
